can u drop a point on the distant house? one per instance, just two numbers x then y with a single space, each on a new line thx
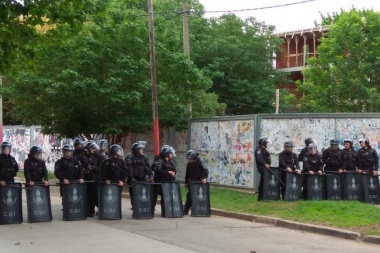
297 48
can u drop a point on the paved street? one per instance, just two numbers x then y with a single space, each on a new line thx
188 234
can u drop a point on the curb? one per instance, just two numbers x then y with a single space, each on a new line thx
345 234
372 239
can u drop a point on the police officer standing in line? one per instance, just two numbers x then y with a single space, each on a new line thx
68 168
35 168
196 170
8 164
350 154
165 171
312 164
334 158
304 151
91 160
263 161
138 167
288 162
114 168
368 160
103 145
78 148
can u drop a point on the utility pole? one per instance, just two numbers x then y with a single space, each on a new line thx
186 42
1 112
156 126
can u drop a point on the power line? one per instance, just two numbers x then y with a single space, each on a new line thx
262 8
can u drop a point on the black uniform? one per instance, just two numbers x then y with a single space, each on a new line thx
334 159
351 157
262 157
138 170
114 169
8 168
35 170
368 159
78 152
195 171
310 163
287 160
161 174
68 168
91 167
302 154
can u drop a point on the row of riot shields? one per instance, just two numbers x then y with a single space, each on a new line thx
330 186
75 204
38 203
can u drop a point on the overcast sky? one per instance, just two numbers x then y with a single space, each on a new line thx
289 18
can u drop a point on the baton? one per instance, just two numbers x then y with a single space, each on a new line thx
276 175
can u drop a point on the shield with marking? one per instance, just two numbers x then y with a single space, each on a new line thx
370 188
171 193
109 196
200 199
353 187
143 201
74 202
38 202
11 204
271 187
315 190
293 187
334 187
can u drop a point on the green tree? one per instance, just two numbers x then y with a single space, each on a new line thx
19 20
237 55
345 75
97 80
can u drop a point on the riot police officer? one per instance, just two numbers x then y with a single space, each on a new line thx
288 162
78 148
196 170
68 168
312 164
304 151
334 158
263 161
114 168
368 160
350 154
165 171
103 145
91 160
8 164
138 166
35 168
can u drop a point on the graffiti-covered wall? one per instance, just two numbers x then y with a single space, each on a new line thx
226 146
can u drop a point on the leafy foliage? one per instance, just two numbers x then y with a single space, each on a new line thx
345 76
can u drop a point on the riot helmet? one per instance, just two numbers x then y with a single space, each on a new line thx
136 147
168 151
334 144
67 150
288 146
310 140
78 144
116 150
191 154
349 141
263 141
312 149
6 148
103 144
365 141
35 151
